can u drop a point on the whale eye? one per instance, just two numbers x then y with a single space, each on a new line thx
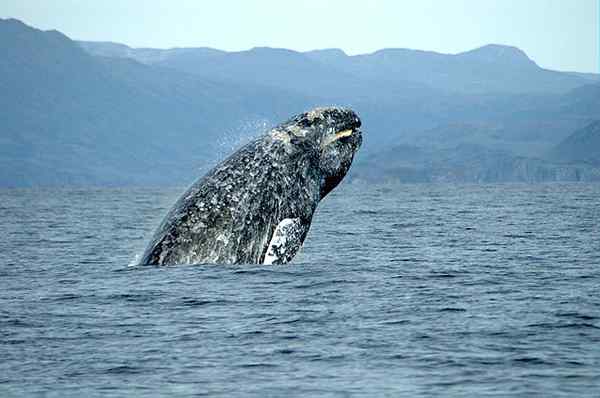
304 122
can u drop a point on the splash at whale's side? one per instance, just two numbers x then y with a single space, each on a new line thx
257 205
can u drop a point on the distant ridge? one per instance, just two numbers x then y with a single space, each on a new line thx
78 113
491 68
70 118
488 53
496 53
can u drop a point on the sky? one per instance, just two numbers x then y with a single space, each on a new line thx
557 34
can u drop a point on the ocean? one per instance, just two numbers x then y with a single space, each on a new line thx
415 290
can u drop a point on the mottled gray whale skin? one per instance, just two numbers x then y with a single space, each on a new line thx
257 205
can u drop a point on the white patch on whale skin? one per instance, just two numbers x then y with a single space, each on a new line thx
284 238
281 136
316 113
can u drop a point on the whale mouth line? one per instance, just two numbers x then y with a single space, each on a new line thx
339 135
344 133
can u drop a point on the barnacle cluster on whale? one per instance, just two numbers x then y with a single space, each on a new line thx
257 205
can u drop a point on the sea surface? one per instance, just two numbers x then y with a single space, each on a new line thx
414 290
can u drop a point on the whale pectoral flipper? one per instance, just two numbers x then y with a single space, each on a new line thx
286 241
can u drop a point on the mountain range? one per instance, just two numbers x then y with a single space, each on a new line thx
97 113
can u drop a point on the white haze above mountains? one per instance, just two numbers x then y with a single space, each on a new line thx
86 113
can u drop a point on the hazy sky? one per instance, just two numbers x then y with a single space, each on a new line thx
557 34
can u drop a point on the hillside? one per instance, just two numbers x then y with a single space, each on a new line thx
583 146
71 118
404 94
79 113
466 164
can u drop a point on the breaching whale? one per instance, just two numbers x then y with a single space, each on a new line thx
257 205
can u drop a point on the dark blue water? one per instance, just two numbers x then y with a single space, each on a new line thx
419 289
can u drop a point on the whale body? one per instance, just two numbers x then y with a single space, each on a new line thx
257 205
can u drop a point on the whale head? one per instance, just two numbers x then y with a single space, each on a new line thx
329 136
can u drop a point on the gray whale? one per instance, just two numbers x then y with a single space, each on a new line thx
257 205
